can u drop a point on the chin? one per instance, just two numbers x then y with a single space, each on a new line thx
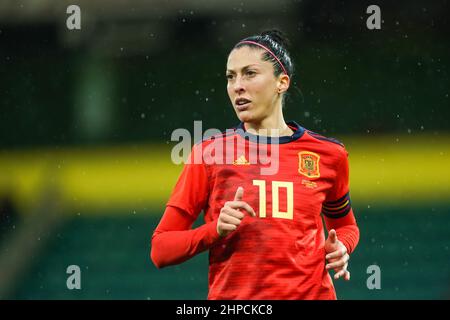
245 116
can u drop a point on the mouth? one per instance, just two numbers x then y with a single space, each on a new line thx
242 104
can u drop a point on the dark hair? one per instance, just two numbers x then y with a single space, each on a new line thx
278 43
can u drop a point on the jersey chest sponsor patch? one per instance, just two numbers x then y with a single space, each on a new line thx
308 164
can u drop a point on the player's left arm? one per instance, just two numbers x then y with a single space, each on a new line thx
343 231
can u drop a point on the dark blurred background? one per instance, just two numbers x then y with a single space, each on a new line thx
87 116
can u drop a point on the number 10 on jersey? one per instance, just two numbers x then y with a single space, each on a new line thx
276 186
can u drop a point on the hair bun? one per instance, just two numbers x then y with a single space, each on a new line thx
277 36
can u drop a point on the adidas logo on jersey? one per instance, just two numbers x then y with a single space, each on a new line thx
241 161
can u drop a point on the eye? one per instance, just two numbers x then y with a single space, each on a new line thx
229 76
250 73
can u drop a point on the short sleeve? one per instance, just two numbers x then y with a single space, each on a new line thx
337 203
192 188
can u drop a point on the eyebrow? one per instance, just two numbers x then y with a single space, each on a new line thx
243 68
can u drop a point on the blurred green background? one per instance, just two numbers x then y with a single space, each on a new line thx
87 116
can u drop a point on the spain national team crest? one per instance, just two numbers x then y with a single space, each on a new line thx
308 164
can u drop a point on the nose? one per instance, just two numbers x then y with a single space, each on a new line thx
238 85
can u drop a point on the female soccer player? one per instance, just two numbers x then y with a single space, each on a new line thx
264 232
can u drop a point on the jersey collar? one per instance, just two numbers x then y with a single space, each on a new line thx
298 133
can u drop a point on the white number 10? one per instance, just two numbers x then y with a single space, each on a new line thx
276 185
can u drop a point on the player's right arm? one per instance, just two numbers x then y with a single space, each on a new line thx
174 241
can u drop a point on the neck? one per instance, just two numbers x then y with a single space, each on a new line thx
273 126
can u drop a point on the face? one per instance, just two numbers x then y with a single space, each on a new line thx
251 78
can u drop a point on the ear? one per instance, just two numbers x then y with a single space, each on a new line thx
283 83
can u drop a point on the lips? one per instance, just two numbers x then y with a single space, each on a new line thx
242 104
240 101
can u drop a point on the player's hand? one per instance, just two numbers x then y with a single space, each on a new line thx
337 256
230 217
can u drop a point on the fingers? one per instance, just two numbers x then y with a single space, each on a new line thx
337 254
339 263
342 273
239 194
339 274
347 275
241 205
332 236
229 219
232 212
338 257
237 203
226 228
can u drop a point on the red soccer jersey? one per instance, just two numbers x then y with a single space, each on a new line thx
279 254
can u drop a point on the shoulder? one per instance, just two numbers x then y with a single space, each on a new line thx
329 140
334 146
210 149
